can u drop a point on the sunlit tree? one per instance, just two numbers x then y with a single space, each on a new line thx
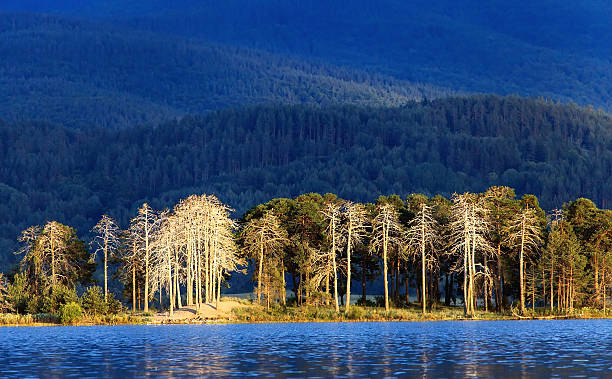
353 231
422 236
332 214
262 237
145 223
106 241
53 255
524 235
386 232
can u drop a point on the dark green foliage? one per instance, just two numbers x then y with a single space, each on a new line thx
70 313
57 297
246 157
93 302
17 293
545 48
88 74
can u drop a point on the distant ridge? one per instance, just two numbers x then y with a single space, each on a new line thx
558 50
84 74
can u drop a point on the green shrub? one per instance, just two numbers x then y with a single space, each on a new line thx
69 313
93 302
355 313
58 296
114 305
17 293
34 304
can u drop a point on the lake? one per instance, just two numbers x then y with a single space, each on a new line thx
546 348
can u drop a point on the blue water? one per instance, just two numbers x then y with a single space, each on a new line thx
382 349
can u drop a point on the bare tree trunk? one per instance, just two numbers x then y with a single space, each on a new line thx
498 284
603 279
261 258
133 286
53 278
465 280
424 301
105 269
522 274
473 273
385 243
327 291
198 276
486 285
189 284
218 290
176 281
597 278
571 283
423 291
170 297
146 288
284 290
267 292
348 270
207 274
334 264
552 292
544 287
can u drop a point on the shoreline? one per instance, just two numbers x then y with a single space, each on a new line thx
254 314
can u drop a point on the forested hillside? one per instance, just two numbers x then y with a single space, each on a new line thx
86 74
248 156
545 48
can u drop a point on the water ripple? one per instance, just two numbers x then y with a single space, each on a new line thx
561 348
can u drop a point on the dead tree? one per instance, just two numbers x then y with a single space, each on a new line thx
469 229
387 231
332 214
353 232
107 242
145 223
422 236
524 234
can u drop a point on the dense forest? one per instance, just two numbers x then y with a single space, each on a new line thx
491 250
246 156
84 74
537 48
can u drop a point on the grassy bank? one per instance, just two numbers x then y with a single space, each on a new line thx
255 313
244 311
46 319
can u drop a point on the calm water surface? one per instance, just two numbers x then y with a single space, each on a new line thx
579 348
